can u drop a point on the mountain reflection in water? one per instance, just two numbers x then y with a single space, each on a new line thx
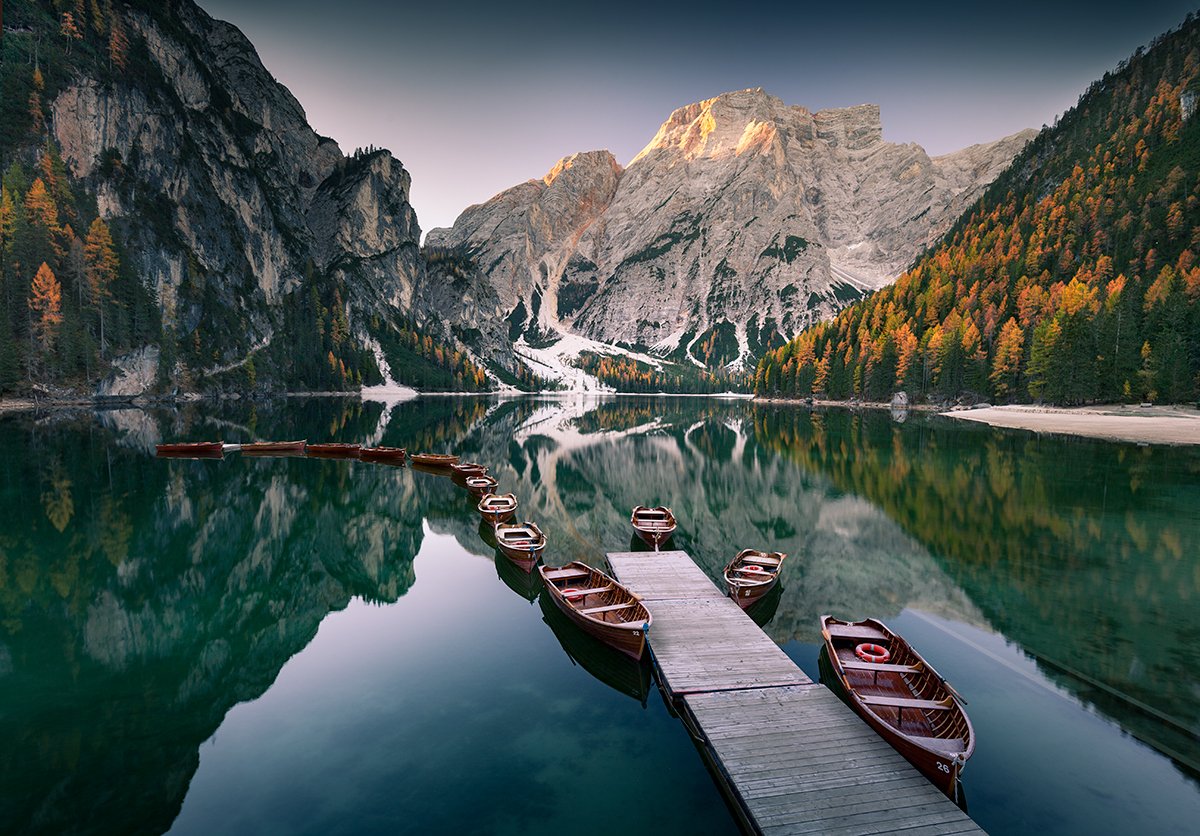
140 599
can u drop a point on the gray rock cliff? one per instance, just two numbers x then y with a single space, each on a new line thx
743 217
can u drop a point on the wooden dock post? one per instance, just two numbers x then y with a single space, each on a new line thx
791 755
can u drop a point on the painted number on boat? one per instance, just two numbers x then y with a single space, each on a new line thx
943 767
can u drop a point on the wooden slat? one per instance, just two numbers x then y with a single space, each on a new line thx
793 757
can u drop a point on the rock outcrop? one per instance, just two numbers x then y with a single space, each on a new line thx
231 207
743 220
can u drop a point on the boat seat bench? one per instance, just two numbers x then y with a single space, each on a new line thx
609 608
578 593
901 702
566 573
871 667
754 572
855 633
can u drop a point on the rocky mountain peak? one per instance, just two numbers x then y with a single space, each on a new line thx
743 220
586 164
751 120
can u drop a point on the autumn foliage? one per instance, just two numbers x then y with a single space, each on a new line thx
1075 278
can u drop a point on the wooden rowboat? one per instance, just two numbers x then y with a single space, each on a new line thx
191 450
479 485
612 667
654 525
498 508
385 455
752 574
599 605
522 543
901 697
333 451
274 448
465 469
434 461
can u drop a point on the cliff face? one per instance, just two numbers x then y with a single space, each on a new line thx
235 212
743 217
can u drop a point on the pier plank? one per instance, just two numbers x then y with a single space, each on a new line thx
793 757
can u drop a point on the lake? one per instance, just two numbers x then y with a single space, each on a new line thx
294 645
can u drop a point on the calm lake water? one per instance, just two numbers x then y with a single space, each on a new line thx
262 646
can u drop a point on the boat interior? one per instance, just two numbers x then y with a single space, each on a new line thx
901 692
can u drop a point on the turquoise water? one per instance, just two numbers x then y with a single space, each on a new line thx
316 646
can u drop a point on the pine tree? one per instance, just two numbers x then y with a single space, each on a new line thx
45 303
100 266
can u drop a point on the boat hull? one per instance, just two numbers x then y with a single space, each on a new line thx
332 451
942 768
191 450
383 455
627 636
274 448
747 589
435 462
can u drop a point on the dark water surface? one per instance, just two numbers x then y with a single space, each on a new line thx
261 646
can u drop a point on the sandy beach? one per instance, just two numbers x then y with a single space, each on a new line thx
1149 425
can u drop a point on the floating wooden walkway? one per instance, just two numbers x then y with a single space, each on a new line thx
792 756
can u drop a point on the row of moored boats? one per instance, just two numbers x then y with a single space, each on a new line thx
896 691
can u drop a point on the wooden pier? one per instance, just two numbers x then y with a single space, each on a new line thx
792 757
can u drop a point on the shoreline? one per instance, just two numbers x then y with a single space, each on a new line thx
1175 425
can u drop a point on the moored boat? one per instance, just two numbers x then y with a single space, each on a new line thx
615 669
498 508
654 525
523 543
438 462
333 450
191 450
901 697
479 485
463 470
599 605
752 574
273 448
383 455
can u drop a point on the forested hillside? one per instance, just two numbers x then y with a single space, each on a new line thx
1073 279
166 211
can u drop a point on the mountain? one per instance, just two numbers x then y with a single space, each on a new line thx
244 249
742 221
1074 278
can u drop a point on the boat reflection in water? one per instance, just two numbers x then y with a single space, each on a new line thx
515 577
616 670
763 610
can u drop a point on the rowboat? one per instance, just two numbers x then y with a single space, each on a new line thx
752 574
385 455
333 451
612 667
901 697
461 471
523 543
434 461
599 605
273 448
191 450
654 525
498 508
479 485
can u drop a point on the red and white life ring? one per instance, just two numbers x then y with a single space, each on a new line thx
875 653
572 594
751 568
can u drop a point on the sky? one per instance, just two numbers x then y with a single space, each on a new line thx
475 97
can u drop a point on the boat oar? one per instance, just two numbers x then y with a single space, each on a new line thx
953 691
